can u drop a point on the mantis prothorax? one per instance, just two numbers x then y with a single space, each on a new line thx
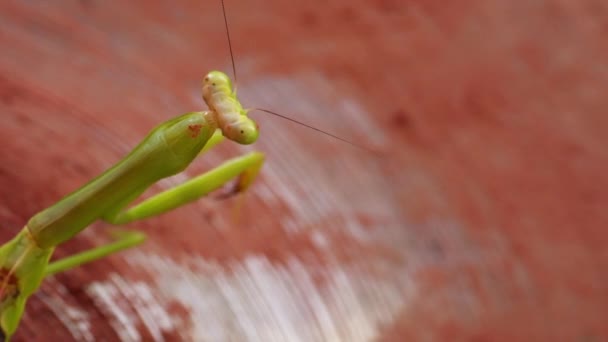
167 150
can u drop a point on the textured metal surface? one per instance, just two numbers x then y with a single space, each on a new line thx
481 218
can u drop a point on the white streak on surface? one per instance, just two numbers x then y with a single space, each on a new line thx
75 320
257 300
107 296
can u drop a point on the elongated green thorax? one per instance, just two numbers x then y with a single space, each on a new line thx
167 150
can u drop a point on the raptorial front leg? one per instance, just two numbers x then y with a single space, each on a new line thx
245 168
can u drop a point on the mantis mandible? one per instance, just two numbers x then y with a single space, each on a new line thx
167 150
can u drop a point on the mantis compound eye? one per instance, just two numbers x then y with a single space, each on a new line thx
218 79
244 131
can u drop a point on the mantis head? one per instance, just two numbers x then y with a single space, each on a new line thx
232 119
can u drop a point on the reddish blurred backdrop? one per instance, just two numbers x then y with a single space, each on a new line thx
481 218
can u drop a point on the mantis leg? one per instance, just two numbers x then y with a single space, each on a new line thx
123 240
245 168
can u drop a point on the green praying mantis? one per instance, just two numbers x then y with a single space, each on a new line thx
167 150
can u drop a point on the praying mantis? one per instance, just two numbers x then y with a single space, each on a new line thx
167 150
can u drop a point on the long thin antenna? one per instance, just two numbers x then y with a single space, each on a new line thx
271 112
313 128
229 42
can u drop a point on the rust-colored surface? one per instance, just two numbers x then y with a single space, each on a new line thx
482 219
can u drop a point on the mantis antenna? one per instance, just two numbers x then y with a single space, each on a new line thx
311 127
229 42
275 113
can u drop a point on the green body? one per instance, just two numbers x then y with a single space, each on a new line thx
167 150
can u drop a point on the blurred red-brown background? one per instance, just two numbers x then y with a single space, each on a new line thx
481 218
